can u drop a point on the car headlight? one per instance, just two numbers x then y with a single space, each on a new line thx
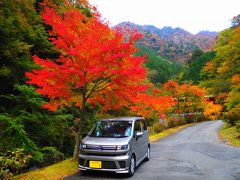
83 146
123 147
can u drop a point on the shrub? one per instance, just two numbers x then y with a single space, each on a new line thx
158 127
173 121
36 159
200 117
189 118
42 157
238 126
150 130
51 155
180 121
13 162
233 115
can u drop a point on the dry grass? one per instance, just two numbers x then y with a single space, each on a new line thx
230 135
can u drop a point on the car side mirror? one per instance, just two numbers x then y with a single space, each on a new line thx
138 134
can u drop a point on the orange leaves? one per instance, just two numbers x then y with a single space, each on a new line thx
171 85
188 98
208 67
196 91
146 105
173 88
236 79
213 111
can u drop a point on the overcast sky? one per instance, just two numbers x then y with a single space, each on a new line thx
191 15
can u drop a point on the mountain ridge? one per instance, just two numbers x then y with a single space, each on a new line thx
174 43
203 32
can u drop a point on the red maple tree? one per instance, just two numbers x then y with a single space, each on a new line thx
148 104
96 64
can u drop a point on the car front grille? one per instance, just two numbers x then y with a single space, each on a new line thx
101 154
97 147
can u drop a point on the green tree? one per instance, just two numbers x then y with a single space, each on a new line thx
160 69
23 122
195 66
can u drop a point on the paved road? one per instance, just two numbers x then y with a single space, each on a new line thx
194 153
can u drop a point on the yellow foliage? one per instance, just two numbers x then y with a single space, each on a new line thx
213 111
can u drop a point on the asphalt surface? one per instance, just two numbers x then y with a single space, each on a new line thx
194 153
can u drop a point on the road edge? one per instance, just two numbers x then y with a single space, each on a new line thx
169 132
227 134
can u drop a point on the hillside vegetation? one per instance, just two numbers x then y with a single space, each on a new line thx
193 71
160 69
173 43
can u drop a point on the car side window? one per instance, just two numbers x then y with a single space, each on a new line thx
137 126
144 125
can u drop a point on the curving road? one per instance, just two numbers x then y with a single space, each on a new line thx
194 153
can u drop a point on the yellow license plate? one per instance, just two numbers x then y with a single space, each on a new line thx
95 164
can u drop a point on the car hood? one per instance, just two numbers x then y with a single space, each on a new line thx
105 141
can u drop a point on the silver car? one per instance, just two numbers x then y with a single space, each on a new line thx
118 145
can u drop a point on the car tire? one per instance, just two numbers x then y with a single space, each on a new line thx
148 154
132 166
83 172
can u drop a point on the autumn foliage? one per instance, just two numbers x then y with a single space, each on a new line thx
222 74
148 105
213 111
96 64
188 98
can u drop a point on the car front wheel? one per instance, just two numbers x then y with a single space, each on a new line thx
132 166
148 154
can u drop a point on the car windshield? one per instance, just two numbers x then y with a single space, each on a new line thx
112 129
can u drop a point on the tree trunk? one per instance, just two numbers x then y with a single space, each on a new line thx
78 135
78 138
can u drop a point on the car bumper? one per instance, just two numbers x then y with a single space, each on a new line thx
118 164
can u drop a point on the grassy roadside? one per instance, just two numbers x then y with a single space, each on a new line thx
55 171
68 167
230 135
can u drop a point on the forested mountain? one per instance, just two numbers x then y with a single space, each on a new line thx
173 43
160 69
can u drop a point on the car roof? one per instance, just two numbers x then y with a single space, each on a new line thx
122 119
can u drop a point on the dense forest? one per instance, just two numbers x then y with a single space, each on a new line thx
55 86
